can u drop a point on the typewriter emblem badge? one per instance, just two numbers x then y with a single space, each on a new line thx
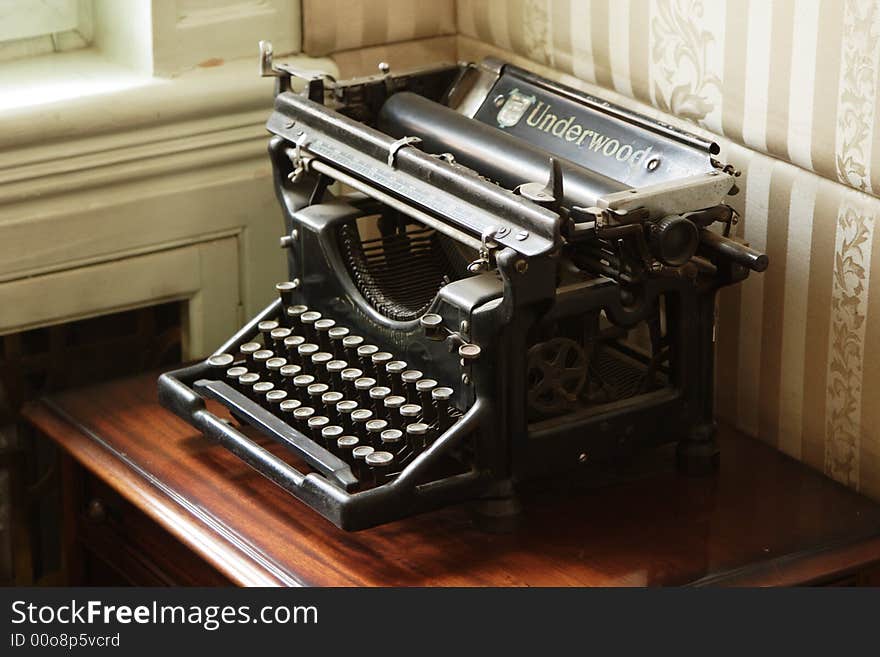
514 108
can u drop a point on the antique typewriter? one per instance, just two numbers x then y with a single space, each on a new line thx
492 278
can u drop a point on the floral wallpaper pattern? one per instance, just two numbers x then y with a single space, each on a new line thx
857 94
683 82
849 300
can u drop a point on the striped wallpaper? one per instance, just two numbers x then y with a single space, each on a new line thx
789 89
331 26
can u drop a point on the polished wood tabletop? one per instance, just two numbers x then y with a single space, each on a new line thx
763 519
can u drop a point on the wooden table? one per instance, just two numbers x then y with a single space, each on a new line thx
150 498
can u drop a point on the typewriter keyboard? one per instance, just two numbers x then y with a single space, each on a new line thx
355 400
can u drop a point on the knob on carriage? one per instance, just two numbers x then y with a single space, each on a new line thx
674 240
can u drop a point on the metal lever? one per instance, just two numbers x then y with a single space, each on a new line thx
314 79
548 196
484 255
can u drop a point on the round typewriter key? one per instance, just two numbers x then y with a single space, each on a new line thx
379 360
260 388
349 376
359 419
334 372
220 361
294 313
275 397
444 394
303 413
316 424
345 408
423 389
359 454
391 440
274 365
260 357
392 405
410 411
285 291
394 369
265 328
247 383
303 381
417 435
319 362
410 378
292 343
248 379
377 396
278 336
329 400
380 464
316 391
288 373
351 343
469 352
290 405
433 325
322 326
362 389
379 393
441 397
306 351
329 435
248 349
365 354
308 319
374 430
336 335
344 445
234 373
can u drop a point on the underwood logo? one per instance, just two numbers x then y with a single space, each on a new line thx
513 108
568 129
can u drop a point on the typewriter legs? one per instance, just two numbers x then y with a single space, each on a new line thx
498 511
698 454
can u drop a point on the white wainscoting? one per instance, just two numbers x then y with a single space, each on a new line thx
159 192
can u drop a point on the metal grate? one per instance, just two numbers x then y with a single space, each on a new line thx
620 377
400 272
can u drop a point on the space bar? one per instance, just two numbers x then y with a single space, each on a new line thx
316 456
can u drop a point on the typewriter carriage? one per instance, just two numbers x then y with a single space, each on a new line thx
537 320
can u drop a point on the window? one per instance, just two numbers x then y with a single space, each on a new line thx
37 27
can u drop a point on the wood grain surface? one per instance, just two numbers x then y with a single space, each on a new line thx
764 519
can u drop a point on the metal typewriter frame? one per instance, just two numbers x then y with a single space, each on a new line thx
324 144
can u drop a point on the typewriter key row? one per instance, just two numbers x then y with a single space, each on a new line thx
349 396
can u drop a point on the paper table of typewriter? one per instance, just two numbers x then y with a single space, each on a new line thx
518 280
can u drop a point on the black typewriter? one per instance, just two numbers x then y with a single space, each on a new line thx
492 278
